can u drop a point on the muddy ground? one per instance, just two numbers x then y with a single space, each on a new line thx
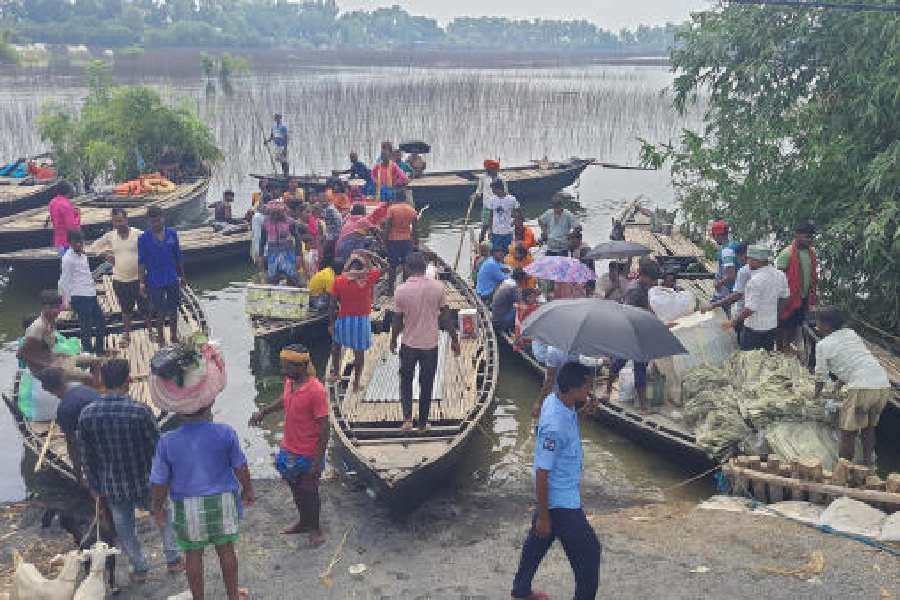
465 545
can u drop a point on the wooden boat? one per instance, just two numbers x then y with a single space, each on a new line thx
199 245
31 229
660 429
403 469
453 188
20 194
138 352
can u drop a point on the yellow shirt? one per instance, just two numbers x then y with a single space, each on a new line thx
322 282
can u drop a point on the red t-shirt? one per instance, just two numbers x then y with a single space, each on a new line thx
355 300
402 216
302 406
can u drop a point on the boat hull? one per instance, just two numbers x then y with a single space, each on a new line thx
37 199
189 208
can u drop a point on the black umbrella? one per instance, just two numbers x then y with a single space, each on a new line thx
595 327
617 250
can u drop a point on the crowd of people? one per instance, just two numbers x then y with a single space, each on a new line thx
195 480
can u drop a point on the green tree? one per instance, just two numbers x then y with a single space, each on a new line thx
801 124
116 126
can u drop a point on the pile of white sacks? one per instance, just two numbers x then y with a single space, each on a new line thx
844 514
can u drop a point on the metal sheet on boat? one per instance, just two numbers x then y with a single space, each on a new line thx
384 385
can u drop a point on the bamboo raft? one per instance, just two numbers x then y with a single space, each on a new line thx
403 468
138 353
199 245
31 229
770 479
20 194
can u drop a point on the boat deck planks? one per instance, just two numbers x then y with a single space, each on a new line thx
11 189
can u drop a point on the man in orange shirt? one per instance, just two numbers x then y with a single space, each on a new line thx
522 233
399 235
519 258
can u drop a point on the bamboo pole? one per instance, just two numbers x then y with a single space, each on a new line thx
462 234
45 447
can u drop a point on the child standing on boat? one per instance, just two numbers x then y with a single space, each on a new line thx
351 306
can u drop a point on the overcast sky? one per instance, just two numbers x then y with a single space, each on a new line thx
609 14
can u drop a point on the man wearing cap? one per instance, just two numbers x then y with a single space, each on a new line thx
798 261
765 292
279 138
483 192
556 225
302 454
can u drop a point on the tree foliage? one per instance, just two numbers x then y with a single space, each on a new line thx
119 127
306 24
801 124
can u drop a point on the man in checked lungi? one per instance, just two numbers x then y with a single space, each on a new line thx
201 465
302 454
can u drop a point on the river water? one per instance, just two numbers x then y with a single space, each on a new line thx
467 115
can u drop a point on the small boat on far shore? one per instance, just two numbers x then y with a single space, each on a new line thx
186 204
403 468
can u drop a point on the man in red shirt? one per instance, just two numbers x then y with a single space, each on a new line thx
399 236
351 305
302 453
420 307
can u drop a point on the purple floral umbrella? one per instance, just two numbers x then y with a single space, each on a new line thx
560 269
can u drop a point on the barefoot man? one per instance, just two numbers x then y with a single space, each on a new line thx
302 454
121 249
351 305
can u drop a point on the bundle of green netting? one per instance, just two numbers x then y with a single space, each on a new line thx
754 397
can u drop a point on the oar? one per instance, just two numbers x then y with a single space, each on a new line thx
265 141
46 446
462 234
626 167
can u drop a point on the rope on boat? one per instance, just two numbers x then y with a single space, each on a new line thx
691 480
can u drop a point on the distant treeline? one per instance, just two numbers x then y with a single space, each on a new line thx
314 24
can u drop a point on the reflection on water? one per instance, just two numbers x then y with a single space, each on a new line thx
467 116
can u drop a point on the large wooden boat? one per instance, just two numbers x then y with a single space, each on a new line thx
453 188
138 352
403 468
32 229
199 245
20 194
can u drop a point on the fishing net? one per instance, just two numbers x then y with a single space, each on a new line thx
758 402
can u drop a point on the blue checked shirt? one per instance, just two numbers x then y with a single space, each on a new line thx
333 222
117 437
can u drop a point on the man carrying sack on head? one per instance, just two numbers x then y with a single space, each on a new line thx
302 454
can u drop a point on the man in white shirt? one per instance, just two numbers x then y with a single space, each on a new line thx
764 293
842 353
483 192
76 284
504 208
121 251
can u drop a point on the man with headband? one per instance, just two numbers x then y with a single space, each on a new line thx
302 454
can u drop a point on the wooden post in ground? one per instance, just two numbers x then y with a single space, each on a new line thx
841 472
893 483
773 466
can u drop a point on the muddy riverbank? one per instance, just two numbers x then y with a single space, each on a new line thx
465 544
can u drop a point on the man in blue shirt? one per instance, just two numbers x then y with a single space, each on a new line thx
74 397
279 139
492 273
726 260
358 169
558 459
161 272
